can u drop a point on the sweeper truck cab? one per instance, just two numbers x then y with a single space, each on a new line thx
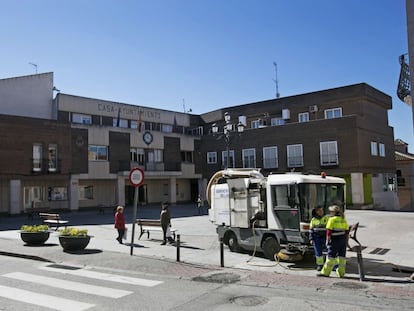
272 213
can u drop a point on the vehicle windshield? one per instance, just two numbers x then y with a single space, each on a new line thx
312 195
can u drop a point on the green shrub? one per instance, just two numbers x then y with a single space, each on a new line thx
73 232
34 228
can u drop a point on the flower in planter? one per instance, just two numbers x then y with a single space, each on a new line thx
73 239
34 228
73 232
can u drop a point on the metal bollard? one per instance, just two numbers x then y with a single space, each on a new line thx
178 247
221 253
360 263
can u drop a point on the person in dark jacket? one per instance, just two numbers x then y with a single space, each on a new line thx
120 223
165 221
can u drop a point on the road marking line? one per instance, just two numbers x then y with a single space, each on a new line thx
69 285
107 277
43 300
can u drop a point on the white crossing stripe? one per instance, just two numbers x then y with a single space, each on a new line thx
47 301
107 277
69 285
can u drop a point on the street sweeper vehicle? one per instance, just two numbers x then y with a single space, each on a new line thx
269 214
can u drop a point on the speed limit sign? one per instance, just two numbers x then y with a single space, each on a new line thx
136 177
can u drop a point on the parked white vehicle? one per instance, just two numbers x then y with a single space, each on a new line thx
269 213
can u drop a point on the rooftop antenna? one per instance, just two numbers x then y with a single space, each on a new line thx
34 65
186 111
276 81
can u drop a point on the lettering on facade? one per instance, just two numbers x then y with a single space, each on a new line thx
131 112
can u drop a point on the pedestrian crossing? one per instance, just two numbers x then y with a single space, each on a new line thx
22 287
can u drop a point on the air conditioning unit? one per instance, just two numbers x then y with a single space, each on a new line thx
313 108
285 114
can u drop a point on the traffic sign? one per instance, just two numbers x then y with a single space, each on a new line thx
136 177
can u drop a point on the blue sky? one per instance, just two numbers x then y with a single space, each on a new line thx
205 55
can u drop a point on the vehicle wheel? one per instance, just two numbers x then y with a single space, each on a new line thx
232 243
270 248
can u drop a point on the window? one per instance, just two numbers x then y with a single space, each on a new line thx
52 158
333 113
211 157
258 123
57 193
187 156
294 155
381 150
122 123
85 192
249 158
166 128
270 157
137 155
155 155
329 152
303 117
81 118
224 159
198 131
37 157
98 153
254 124
277 121
400 179
374 148
32 195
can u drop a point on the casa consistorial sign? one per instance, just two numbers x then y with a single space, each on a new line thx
129 112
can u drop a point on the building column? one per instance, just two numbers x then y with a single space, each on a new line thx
15 197
120 190
173 190
74 193
357 188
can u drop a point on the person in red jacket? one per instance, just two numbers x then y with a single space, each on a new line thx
120 223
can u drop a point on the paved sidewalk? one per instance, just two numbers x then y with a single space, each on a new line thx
388 258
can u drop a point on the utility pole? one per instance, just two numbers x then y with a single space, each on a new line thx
276 81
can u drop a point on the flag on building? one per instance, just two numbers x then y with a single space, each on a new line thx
118 120
175 124
139 121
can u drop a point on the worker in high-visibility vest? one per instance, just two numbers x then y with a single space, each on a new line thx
317 234
337 232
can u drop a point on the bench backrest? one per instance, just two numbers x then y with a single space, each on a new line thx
149 222
49 216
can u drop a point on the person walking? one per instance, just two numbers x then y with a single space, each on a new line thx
337 232
120 223
200 205
317 234
165 220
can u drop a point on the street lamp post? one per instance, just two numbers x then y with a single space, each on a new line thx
228 134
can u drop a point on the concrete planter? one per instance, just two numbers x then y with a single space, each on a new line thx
34 238
74 243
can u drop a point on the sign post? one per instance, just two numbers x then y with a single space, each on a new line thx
136 178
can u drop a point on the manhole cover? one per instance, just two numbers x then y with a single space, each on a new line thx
351 285
249 301
218 278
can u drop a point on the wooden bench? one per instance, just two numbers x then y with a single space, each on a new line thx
147 225
53 220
